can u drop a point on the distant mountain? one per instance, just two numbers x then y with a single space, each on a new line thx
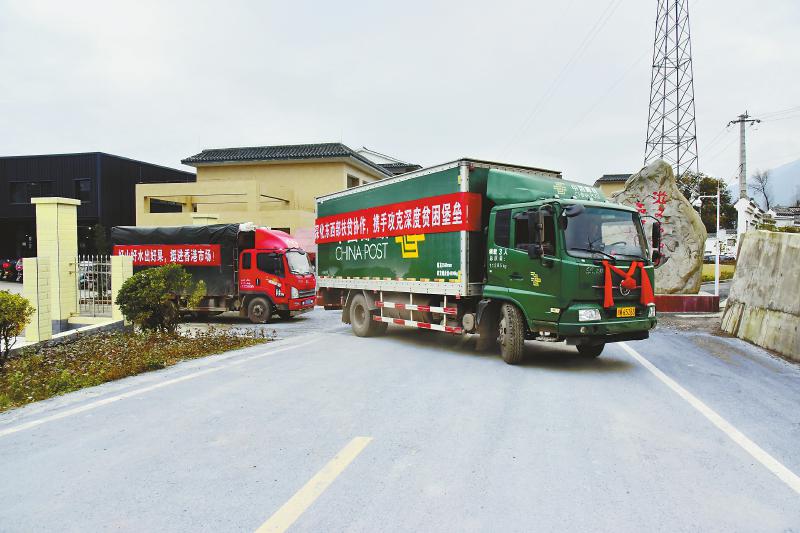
785 183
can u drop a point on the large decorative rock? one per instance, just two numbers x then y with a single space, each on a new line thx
654 191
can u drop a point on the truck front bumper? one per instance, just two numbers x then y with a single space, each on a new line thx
606 330
298 305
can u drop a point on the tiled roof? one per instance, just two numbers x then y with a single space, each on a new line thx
786 210
400 168
613 178
279 153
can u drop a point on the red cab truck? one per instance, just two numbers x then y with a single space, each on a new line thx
258 272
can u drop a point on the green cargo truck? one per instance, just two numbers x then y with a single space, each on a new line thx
473 247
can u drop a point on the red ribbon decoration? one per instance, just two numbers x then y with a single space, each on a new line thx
628 282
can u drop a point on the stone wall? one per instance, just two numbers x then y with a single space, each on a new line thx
764 303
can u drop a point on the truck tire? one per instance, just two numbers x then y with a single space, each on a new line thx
361 319
590 350
511 334
259 310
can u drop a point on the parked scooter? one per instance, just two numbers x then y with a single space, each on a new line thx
9 270
19 270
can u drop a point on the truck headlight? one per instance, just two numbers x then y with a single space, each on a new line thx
651 311
586 315
295 293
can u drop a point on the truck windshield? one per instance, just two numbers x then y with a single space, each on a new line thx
298 262
601 232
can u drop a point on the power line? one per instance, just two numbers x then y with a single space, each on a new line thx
602 97
601 21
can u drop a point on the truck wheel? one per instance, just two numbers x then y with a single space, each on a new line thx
590 350
511 334
259 310
361 319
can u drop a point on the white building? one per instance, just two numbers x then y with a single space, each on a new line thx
750 215
785 216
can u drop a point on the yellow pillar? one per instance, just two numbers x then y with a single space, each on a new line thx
57 239
36 288
121 269
204 219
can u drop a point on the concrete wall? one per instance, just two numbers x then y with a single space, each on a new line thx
764 303
278 195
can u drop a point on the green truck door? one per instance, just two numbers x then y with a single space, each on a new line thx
534 283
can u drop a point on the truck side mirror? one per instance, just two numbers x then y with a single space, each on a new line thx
535 232
655 238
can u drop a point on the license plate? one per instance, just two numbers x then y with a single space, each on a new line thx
624 312
308 302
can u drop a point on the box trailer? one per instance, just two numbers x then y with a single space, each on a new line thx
257 271
475 247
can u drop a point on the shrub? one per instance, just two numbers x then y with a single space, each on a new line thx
40 372
15 313
151 298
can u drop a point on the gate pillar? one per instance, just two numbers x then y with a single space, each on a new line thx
121 269
57 240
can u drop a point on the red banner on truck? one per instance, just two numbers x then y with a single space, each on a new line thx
162 254
459 211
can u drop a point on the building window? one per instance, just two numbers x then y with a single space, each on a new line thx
352 181
164 206
83 190
21 192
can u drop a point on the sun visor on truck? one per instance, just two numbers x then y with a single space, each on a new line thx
503 187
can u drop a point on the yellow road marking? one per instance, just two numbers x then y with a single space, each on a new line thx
303 498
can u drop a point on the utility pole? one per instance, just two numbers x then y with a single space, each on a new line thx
742 121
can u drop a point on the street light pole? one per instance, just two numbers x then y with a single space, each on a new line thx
699 203
716 259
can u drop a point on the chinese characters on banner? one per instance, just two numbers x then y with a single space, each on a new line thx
437 214
162 254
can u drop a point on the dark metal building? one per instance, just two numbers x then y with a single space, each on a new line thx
104 184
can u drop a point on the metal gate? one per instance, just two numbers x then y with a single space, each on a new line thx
94 285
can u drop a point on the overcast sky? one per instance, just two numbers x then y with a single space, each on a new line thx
561 85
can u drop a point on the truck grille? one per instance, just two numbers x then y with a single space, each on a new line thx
308 293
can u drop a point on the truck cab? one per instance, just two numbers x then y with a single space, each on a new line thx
274 276
577 270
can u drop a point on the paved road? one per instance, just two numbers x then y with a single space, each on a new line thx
11 286
724 288
460 441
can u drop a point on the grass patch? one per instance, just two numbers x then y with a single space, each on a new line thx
36 374
725 271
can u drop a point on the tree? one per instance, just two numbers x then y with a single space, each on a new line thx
151 298
689 184
100 240
693 185
761 186
15 313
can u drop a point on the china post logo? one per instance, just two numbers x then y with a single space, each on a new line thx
409 245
